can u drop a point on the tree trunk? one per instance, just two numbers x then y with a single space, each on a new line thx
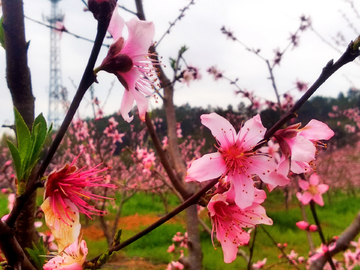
19 83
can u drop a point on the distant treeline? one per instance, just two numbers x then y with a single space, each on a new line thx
189 117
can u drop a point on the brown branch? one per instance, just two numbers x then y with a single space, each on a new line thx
182 11
322 237
17 70
13 252
342 243
63 30
164 160
349 55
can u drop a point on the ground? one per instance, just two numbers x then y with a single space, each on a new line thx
93 232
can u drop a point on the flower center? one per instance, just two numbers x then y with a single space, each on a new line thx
313 190
235 158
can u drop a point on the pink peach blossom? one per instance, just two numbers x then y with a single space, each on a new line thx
229 220
259 264
171 248
313 190
298 143
64 199
131 63
236 159
175 265
73 257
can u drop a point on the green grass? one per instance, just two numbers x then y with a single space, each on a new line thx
142 203
334 217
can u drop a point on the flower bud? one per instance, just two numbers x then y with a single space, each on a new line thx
302 225
102 9
312 228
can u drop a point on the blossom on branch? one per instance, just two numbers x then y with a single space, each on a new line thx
131 63
73 257
259 264
299 144
64 199
313 190
236 158
229 220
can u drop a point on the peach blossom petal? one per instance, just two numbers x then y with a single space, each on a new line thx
65 234
220 128
205 168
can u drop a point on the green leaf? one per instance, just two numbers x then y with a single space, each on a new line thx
38 139
43 130
2 35
38 253
173 63
16 158
50 129
117 238
23 135
103 258
183 49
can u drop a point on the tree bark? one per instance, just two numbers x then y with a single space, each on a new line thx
19 83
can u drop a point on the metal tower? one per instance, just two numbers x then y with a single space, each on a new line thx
56 90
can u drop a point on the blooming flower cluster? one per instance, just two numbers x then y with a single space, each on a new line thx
179 244
235 205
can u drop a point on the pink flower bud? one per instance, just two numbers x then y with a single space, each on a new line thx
5 190
302 225
312 228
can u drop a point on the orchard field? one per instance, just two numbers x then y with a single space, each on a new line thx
223 149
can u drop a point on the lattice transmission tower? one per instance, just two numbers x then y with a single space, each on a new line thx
57 93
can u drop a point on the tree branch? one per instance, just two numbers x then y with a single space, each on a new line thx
342 243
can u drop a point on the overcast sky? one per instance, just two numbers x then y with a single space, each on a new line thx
261 24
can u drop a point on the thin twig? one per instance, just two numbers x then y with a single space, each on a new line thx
128 10
281 249
63 31
252 249
182 11
323 240
349 55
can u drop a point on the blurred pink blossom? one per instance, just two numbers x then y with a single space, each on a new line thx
313 190
259 264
